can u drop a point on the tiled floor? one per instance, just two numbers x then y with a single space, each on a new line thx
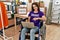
53 32
11 32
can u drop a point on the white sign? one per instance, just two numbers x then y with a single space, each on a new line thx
22 10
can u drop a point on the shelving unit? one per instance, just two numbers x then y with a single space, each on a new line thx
10 7
55 16
21 9
4 36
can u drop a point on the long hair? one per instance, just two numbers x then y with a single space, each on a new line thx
35 3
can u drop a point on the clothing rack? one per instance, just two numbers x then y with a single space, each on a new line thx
4 36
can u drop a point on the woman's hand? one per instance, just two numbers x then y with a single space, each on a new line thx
43 18
35 19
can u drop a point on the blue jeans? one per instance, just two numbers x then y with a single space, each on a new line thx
32 33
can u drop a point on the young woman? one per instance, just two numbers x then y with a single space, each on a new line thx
42 7
34 16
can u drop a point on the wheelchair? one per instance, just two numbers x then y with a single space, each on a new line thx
42 31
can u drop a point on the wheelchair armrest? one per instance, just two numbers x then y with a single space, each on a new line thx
24 19
42 23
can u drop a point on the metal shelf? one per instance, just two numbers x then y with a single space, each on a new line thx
55 16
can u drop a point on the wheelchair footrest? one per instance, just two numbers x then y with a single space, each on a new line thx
28 37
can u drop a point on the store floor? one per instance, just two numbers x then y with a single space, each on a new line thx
53 32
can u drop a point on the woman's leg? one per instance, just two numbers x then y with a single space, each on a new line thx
32 33
24 30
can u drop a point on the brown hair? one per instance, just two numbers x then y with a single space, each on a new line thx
35 3
42 3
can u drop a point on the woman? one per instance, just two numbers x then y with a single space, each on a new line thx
42 7
34 16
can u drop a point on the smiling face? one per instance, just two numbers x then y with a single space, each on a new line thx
35 7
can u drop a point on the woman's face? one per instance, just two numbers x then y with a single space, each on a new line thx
41 4
35 7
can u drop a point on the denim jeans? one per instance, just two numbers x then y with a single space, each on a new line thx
32 33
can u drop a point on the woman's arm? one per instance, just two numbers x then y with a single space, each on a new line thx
28 19
43 18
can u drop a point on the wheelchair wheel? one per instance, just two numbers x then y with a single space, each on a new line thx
19 37
43 36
